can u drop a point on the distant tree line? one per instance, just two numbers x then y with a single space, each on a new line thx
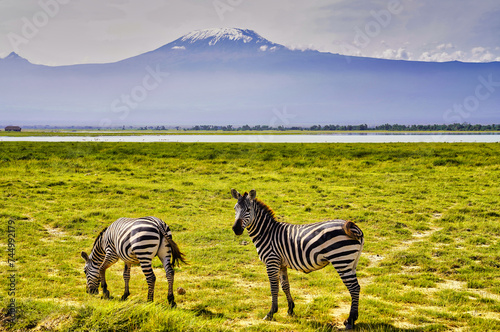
361 127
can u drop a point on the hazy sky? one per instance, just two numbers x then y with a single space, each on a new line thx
80 31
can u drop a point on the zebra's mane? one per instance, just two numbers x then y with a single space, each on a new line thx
266 208
99 237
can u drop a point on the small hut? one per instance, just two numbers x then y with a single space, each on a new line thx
12 128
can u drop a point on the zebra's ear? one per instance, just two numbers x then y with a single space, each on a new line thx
253 194
235 194
85 256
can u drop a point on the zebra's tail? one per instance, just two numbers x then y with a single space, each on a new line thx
177 255
353 231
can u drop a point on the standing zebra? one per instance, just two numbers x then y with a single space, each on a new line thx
133 240
304 248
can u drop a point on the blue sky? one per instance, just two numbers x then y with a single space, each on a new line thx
56 32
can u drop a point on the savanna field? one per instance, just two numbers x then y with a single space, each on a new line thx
430 214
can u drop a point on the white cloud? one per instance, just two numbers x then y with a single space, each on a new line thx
445 46
478 50
300 47
438 56
476 54
399 54
481 54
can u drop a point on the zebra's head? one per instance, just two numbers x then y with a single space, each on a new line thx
243 210
92 275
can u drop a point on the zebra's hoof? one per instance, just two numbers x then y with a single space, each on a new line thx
269 318
348 326
124 297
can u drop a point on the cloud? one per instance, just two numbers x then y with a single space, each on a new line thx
481 54
300 47
445 46
428 30
476 54
440 53
439 56
399 54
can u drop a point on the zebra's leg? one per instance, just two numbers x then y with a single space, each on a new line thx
351 282
273 272
126 278
169 270
285 285
147 269
109 260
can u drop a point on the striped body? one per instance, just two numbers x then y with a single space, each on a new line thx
134 241
304 248
307 248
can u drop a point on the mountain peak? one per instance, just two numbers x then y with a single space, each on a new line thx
226 38
215 35
12 55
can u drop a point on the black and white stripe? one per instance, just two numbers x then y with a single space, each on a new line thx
304 248
133 240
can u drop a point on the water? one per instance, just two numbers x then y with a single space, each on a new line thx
323 138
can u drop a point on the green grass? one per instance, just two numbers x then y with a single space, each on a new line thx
429 213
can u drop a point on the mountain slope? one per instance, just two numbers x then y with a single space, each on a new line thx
235 76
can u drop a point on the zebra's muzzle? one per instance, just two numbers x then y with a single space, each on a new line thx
238 227
93 291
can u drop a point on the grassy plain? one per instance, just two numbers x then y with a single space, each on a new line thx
429 213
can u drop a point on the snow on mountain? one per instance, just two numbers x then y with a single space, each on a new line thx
226 38
215 35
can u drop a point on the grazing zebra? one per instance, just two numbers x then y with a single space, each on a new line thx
304 248
133 240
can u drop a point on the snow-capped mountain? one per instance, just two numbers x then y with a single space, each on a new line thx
226 39
213 36
228 36
235 76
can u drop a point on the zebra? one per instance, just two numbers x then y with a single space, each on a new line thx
133 240
304 248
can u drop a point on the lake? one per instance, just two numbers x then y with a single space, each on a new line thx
320 138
